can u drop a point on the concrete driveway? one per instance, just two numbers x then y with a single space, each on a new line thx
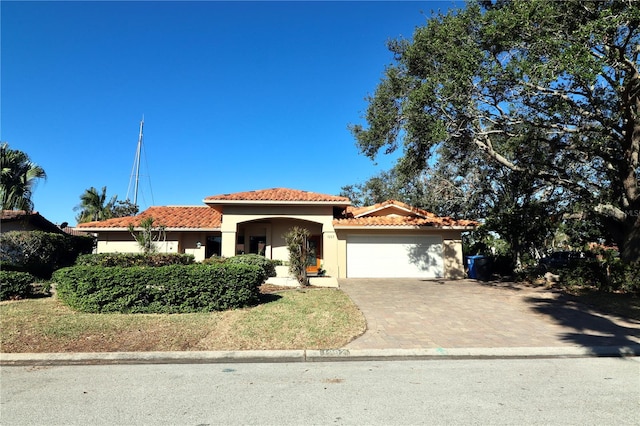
413 313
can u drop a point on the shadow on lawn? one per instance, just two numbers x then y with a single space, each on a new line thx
265 298
592 328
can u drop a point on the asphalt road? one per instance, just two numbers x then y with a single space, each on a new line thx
580 391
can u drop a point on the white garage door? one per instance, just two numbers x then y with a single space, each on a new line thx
394 256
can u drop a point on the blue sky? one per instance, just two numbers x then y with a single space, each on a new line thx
236 96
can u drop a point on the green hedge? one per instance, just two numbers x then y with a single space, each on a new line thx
126 260
41 253
15 285
165 289
267 265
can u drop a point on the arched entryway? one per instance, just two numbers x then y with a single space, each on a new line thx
266 237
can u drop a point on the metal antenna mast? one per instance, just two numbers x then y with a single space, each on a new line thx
135 191
136 166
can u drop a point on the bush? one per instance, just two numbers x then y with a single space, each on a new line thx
165 289
41 253
214 259
267 265
604 275
125 260
15 285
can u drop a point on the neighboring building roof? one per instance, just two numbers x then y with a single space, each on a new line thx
278 196
395 214
73 231
171 217
34 219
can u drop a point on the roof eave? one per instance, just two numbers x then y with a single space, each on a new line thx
190 229
277 202
121 229
461 228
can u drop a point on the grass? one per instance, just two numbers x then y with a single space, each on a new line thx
288 319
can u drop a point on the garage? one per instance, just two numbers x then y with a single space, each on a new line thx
394 256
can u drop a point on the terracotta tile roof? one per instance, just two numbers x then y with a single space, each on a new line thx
183 217
279 194
34 218
364 217
363 211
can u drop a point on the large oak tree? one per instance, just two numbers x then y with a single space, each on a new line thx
546 89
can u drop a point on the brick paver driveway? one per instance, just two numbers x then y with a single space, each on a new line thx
413 313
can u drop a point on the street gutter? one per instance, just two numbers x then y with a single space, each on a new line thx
311 355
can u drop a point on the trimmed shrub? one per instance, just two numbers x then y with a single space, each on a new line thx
165 289
15 285
267 265
214 259
126 260
41 253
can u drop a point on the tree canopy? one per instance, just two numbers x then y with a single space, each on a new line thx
18 178
547 91
94 206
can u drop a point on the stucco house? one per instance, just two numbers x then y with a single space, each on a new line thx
390 239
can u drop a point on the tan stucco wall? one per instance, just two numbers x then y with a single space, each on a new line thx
123 242
280 227
276 221
452 254
116 242
189 244
176 242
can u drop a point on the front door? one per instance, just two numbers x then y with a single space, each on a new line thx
314 255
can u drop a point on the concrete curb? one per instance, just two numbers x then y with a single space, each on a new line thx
324 355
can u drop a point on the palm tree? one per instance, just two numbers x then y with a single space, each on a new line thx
92 205
18 178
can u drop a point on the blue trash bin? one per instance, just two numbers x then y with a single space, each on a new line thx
471 267
478 267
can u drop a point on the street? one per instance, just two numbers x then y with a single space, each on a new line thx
518 391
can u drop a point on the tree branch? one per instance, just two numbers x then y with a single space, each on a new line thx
610 211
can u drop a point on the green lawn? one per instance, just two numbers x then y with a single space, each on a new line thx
289 319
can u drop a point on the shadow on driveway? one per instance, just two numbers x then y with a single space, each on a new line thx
413 313
585 325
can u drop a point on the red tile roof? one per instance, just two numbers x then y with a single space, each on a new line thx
204 217
366 210
279 194
172 217
363 217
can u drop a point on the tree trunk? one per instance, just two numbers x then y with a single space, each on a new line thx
630 247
